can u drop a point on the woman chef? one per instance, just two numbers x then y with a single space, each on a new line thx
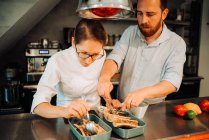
72 74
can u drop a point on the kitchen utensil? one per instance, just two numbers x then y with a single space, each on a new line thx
84 98
90 127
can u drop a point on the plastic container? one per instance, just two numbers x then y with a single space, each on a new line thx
105 136
140 111
128 133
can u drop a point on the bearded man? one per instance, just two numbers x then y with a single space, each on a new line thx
150 56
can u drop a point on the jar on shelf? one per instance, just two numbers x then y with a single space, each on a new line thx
117 38
111 39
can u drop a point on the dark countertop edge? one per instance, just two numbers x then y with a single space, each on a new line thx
186 99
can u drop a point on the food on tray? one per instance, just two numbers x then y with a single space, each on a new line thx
82 128
119 118
116 103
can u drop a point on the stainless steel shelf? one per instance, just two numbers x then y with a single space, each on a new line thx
130 19
171 22
108 47
176 22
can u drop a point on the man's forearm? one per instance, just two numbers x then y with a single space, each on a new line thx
159 90
109 69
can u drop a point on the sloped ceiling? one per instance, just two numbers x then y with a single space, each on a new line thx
17 17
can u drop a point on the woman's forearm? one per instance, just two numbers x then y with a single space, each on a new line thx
49 111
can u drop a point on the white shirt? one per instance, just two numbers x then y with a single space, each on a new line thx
66 77
146 65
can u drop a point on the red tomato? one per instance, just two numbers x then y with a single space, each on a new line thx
204 105
180 110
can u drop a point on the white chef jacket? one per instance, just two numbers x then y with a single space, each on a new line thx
66 77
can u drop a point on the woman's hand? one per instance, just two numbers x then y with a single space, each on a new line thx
77 109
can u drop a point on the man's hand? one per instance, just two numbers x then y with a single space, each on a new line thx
104 88
116 103
77 108
132 100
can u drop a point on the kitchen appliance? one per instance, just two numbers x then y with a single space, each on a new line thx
11 92
36 62
105 9
37 57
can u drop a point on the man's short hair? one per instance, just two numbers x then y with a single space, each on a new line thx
163 4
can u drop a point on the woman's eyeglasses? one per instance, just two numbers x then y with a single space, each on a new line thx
84 55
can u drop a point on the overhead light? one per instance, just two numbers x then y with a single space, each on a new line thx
102 9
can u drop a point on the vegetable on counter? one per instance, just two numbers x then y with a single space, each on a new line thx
190 110
204 105
190 114
180 110
194 107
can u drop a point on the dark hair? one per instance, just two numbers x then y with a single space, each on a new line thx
90 29
163 4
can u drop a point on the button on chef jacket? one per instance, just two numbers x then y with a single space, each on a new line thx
146 65
66 77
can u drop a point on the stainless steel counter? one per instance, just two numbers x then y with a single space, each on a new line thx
161 123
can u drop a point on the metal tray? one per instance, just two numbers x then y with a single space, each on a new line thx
128 133
105 136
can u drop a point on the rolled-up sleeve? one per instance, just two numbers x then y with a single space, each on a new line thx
46 86
121 47
175 63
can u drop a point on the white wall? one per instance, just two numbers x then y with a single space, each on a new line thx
204 51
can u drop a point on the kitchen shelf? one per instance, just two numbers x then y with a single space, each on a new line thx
170 22
176 22
108 47
130 19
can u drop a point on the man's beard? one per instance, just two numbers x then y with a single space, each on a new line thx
149 31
